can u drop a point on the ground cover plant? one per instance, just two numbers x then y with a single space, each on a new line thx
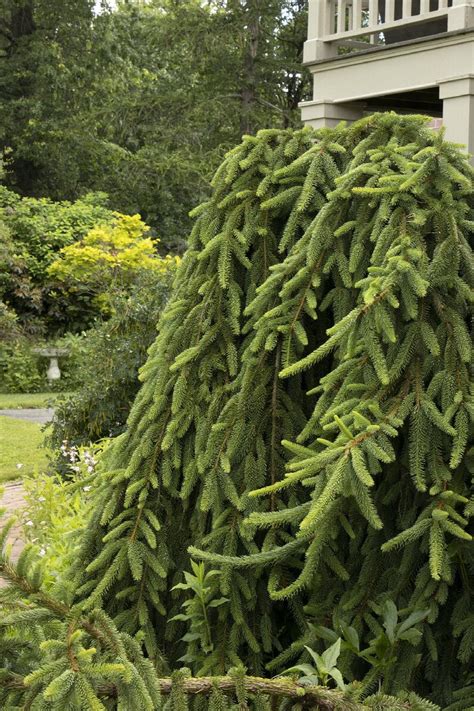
55 508
303 431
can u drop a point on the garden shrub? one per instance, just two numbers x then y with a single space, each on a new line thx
303 428
108 260
35 230
20 369
101 366
61 263
55 509
40 227
11 279
9 330
104 375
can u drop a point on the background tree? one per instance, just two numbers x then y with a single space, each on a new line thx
44 72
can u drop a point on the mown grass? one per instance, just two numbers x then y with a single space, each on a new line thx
17 401
20 448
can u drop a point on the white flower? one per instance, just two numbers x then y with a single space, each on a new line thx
42 552
86 488
29 523
41 498
19 466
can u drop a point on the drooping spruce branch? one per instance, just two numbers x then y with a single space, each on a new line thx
121 672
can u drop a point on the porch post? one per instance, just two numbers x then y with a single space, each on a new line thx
319 25
457 94
460 15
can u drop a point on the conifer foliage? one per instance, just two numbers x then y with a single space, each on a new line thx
303 428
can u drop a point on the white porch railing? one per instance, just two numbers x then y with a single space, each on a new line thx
336 23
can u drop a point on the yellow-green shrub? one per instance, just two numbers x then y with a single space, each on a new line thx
109 258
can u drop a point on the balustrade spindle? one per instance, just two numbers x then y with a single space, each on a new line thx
356 18
373 13
357 14
332 12
390 10
341 15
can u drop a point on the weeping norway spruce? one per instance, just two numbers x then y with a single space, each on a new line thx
297 467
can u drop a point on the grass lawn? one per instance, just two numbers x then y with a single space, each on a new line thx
16 401
20 444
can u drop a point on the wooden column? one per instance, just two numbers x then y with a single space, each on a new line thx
458 110
320 17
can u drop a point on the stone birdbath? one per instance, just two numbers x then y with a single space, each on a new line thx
53 373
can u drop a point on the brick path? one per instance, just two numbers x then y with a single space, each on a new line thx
12 501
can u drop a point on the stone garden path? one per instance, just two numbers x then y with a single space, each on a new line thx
39 415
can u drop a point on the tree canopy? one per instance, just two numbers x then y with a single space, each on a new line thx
142 101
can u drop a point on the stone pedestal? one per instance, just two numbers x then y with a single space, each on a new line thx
53 373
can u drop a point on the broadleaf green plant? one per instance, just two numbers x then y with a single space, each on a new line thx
323 668
202 587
